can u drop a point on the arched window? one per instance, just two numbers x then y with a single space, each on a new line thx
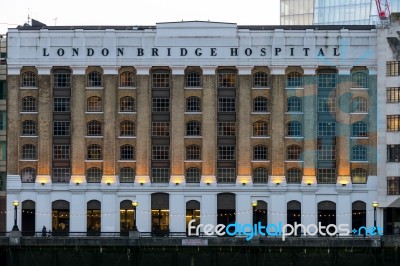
294 80
94 128
193 79
93 175
359 129
127 128
359 80
359 176
127 79
94 79
193 128
28 152
260 152
294 104
94 104
293 153
359 105
127 152
127 175
359 153
94 152
127 104
260 104
293 175
29 104
260 129
193 152
294 129
29 79
260 175
29 128
193 104
260 80
28 175
193 175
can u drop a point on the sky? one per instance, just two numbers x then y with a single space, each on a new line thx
134 12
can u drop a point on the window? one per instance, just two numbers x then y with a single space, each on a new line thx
392 68
326 175
393 122
393 95
160 152
94 152
61 152
326 129
393 185
359 129
294 176
226 128
61 175
326 80
61 104
127 79
393 153
160 129
226 152
226 175
93 175
127 128
193 128
294 80
3 120
260 175
127 104
94 128
127 152
29 128
226 104
326 104
160 105
260 129
3 90
29 104
293 153
160 175
359 105
193 104
260 80
28 175
326 152
260 104
192 175
359 153
193 152
294 104
160 80
359 80
294 129
260 153
28 152
126 175
61 128
193 79
94 79
29 79
62 78
226 80
359 176
94 104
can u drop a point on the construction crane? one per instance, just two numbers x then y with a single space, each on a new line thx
383 9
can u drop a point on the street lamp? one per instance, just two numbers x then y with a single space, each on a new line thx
15 204
254 204
135 203
375 204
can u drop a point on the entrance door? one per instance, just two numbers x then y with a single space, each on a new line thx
28 218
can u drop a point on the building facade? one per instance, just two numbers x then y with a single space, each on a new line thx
3 124
193 120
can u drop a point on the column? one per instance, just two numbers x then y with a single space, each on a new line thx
43 211
78 210
143 216
209 209
344 208
309 210
243 205
109 212
277 206
177 213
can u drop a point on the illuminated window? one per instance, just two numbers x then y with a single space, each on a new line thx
392 68
393 185
393 122
359 176
393 95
